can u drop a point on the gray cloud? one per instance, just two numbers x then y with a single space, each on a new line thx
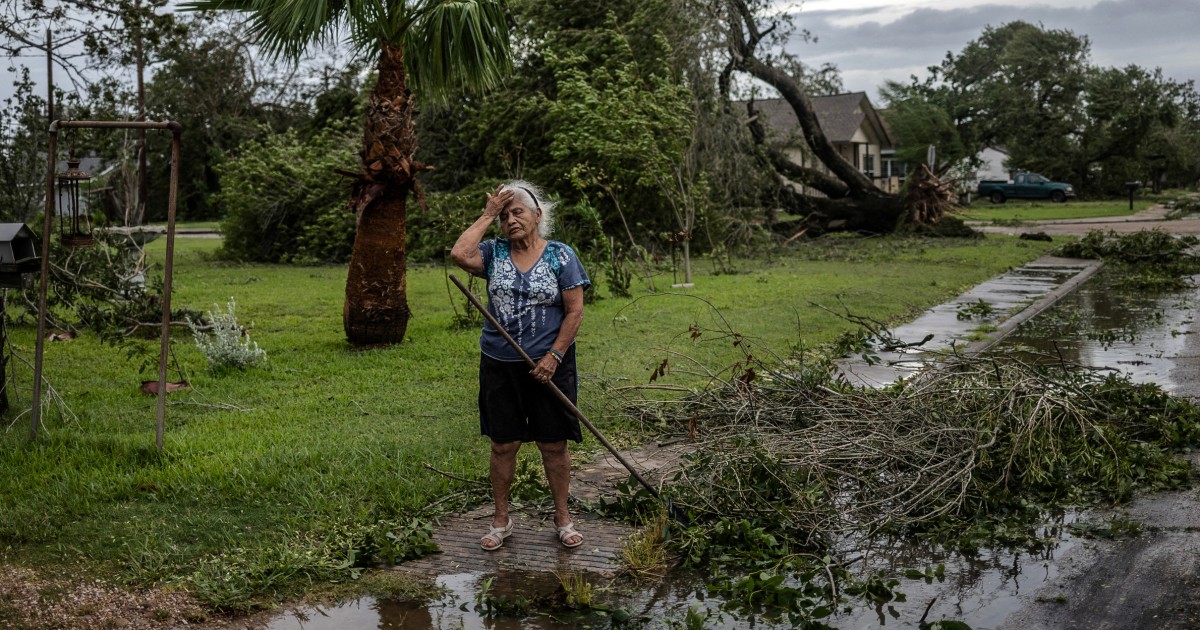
1149 33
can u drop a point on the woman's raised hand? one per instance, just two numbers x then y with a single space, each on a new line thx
497 202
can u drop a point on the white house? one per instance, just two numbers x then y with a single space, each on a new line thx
991 165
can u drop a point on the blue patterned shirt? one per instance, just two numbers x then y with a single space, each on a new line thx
529 305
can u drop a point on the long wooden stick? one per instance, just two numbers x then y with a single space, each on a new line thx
554 388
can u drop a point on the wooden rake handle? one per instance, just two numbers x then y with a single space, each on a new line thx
554 388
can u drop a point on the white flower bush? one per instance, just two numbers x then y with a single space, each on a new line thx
225 344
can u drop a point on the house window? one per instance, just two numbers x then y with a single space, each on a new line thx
869 164
893 168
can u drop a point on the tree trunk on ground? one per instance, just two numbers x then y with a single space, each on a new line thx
376 308
881 214
849 200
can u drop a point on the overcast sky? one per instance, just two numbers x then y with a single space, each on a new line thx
875 40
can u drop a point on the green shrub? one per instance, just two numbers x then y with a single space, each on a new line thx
225 343
286 203
433 230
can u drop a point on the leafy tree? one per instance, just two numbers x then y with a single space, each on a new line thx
449 44
281 204
621 53
917 123
210 85
1033 91
1017 86
92 35
622 129
22 160
1133 115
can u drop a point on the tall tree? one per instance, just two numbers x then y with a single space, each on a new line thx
1019 86
917 123
1132 115
22 152
211 84
90 38
444 45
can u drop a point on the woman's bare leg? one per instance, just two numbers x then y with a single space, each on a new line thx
556 459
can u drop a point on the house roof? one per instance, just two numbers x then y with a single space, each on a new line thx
10 231
840 116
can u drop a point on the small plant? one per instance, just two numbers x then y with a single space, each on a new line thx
644 553
223 342
491 605
579 591
973 310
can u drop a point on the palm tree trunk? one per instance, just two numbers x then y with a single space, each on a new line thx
376 309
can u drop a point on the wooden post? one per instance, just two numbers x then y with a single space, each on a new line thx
168 272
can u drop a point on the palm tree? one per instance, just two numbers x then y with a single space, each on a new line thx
450 45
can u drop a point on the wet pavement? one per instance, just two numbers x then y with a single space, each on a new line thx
1151 580
972 321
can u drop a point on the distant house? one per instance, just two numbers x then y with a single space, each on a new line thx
853 126
991 164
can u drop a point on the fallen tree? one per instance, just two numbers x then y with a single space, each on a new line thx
847 199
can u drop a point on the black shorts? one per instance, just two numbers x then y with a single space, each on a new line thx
515 407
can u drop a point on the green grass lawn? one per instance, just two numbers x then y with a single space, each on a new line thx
1019 210
270 477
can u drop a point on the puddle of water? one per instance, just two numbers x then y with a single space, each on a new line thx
981 588
1101 324
456 608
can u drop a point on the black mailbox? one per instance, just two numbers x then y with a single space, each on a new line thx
18 254
1132 186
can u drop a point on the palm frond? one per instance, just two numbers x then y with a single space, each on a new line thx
285 28
457 44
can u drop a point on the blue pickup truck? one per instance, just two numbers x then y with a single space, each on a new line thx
1025 186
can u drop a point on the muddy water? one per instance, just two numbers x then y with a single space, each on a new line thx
983 587
460 606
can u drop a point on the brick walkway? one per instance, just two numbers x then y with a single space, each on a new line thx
533 546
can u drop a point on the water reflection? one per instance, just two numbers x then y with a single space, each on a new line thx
457 607
1106 325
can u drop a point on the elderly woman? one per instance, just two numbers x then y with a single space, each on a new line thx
535 290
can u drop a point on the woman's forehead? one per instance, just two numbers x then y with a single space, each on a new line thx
516 204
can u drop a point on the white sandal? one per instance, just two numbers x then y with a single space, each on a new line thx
567 531
497 536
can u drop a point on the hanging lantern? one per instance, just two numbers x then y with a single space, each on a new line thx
72 217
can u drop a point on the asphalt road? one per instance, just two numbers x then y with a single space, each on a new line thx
1151 581
1149 219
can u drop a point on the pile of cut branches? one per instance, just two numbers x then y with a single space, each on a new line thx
100 288
795 448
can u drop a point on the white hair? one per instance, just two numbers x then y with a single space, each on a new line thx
533 198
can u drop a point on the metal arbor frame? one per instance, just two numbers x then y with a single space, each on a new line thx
176 129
